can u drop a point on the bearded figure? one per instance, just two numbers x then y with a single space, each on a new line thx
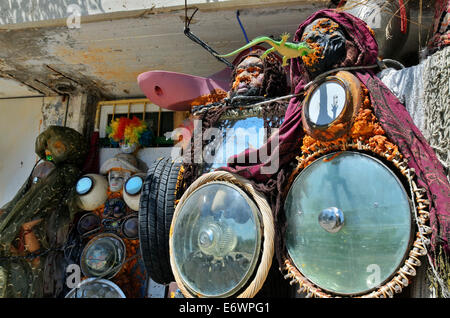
253 81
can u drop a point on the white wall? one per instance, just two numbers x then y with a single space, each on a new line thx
20 124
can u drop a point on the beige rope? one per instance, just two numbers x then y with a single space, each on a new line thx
268 230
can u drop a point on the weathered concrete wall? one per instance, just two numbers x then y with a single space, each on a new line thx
107 56
26 13
20 124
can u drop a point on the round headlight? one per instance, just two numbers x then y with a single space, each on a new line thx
84 185
132 190
330 106
133 185
348 223
88 222
103 256
96 288
130 227
215 240
92 191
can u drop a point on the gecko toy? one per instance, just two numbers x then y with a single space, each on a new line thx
288 50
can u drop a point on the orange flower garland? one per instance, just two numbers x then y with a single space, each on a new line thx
215 96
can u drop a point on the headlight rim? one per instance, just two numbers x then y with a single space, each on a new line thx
266 221
114 270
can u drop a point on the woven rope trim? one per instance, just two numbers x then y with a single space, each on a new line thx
268 231
400 280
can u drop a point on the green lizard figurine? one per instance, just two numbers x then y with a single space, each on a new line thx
288 50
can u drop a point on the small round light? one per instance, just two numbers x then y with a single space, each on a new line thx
348 223
84 185
216 240
103 256
133 185
88 222
130 227
96 288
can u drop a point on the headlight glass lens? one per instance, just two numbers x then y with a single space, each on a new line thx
84 185
130 227
98 288
348 222
216 240
88 222
103 256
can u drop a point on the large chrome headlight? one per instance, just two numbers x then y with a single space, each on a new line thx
216 239
349 223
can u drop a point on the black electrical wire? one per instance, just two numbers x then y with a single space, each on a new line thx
194 38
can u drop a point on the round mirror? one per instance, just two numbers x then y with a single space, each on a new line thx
103 256
348 223
216 240
84 185
326 103
134 185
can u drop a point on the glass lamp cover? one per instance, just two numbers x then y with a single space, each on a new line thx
133 185
102 256
216 240
84 185
348 223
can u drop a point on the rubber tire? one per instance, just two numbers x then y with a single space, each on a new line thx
156 210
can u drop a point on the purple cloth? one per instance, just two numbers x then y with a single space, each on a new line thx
362 50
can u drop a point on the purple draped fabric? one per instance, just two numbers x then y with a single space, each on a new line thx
393 116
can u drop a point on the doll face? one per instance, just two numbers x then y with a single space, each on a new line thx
116 179
128 148
249 78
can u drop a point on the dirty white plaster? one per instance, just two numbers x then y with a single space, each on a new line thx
26 13
20 124
53 111
11 88
113 53
77 112
65 111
